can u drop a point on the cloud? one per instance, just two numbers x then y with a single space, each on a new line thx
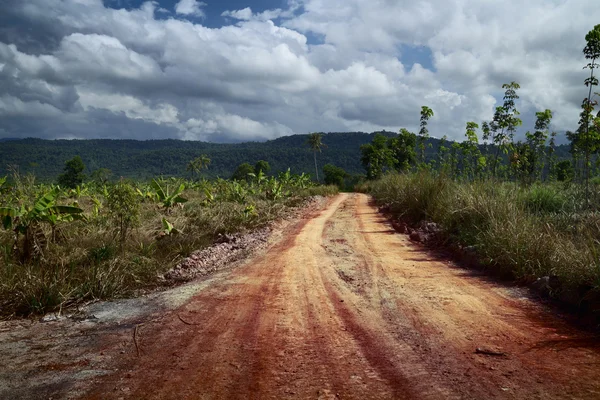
244 14
190 7
77 68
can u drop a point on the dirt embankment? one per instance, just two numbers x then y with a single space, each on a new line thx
344 307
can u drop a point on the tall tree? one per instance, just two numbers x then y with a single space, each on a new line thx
474 162
426 114
537 143
315 143
507 120
592 53
551 156
442 155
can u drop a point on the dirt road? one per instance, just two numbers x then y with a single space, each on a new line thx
341 307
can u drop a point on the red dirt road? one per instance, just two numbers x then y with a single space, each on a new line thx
343 307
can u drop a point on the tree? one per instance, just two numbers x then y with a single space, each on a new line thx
198 164
551 156
402 149
242 172
506 121
334 175
262 166
426 114
124 208
564 171
592 53
442 156
315 143
376 156
537 143
474 162
73 173
101 175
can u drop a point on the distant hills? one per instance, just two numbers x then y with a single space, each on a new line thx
146 159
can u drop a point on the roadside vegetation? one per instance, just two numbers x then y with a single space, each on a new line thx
89 239
513 204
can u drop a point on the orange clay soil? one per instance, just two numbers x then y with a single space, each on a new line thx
344 307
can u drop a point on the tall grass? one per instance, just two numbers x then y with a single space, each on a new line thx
523 232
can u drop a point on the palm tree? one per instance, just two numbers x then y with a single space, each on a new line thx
314 141
198 164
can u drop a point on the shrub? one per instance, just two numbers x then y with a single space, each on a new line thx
544 199
123 207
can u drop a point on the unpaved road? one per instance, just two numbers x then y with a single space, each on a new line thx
344 307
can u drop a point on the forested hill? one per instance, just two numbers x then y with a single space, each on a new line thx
146 159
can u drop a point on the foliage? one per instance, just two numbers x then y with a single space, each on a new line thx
123 207
262 166
544 199
242 172
26 219
198 164
73 173
377 157
403 150
116 241
167 197
334 175
315 142
564 171
426 114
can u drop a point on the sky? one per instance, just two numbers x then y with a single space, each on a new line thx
254 70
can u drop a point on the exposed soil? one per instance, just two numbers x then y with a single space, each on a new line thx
341 306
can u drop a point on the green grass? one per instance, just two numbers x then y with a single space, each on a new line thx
522 232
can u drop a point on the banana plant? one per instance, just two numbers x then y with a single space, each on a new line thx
3 184
237 193
146 193
275 190
258 178
26 220
167 198
97 206
285 177
168 229
249 211
209 197
80 190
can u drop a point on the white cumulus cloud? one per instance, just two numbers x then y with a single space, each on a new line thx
190 7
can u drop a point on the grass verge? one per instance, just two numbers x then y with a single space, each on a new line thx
523 232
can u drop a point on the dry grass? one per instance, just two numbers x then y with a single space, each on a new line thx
88 261
524 232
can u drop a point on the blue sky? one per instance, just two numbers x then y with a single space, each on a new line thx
180 69
213 9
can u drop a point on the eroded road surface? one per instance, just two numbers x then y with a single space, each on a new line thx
344 307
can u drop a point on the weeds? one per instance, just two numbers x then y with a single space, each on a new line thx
128 235
525 233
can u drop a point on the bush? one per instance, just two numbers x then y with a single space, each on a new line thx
544 199
124 208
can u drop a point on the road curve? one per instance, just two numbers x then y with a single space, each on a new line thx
344 307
